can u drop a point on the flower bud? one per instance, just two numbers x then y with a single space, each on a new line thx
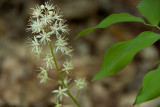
42 7
51 13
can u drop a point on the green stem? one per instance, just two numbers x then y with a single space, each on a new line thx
78 94
60 76
152 25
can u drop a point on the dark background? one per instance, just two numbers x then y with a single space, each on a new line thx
19 86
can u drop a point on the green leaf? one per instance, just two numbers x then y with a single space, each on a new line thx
150 88
120 54
114 18
150 9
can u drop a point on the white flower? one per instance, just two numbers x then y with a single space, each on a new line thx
49 6
49 61
37 12
43 75
80 83
60 92
68 51
38 51
61 44
67 66
55 28
66 81
34 44
44 37
36 26
63 28
46 19
57 16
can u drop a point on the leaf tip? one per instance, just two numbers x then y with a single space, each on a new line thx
135 103
95 78
76 37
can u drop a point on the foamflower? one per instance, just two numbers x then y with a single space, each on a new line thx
50 31
60 92
80 83
67 66
49 61
43 75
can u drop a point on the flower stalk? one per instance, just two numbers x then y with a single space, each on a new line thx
60 76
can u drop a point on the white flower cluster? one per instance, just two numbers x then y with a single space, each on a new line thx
46 21
47 25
